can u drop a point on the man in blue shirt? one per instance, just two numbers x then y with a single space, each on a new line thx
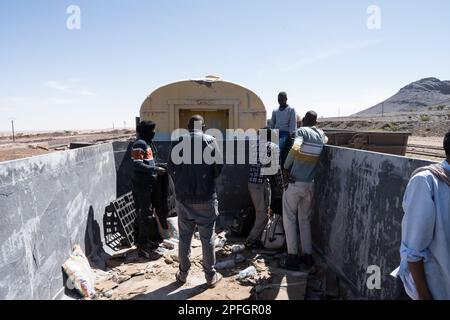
425 248
285 120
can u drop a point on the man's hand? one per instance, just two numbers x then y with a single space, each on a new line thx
426 296
287 177
418 274
161 171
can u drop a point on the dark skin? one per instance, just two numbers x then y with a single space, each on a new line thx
282 100
417 270
195 122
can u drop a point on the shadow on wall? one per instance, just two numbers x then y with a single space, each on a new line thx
124 166
92 236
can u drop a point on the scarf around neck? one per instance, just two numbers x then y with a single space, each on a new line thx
437 170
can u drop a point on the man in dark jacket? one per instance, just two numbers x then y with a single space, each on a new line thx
194 176
145 172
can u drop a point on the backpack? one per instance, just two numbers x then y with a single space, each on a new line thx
243 222
273 237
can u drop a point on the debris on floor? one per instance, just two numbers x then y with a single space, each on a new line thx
105 286
79 272
247 275
249 272
230 263
284 285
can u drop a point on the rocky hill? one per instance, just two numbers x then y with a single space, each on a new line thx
415 97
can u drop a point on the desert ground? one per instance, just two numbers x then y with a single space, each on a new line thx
36 143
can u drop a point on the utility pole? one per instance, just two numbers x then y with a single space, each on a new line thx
382 109
12 128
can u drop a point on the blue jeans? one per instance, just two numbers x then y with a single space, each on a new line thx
204 216
285 146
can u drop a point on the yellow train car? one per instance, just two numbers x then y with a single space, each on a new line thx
223 104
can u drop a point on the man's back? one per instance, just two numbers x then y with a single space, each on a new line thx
303 158
193 175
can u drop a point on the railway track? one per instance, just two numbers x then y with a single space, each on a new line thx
424 150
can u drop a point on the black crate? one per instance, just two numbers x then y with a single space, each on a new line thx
123 211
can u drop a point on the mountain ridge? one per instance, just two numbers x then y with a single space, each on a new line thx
416 96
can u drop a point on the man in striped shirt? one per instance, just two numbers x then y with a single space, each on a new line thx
300 169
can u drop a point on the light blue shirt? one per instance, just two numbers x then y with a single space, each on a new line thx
284 120
426 233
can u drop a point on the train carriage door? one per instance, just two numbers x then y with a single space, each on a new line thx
214 118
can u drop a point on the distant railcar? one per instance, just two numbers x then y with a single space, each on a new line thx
385 142
224 105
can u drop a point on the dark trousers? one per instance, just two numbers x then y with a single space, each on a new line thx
142 194
276 199
159 199
286 143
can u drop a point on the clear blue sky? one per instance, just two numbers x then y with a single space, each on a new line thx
320 52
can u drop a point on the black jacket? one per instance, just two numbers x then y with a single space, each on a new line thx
144 156
195 182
